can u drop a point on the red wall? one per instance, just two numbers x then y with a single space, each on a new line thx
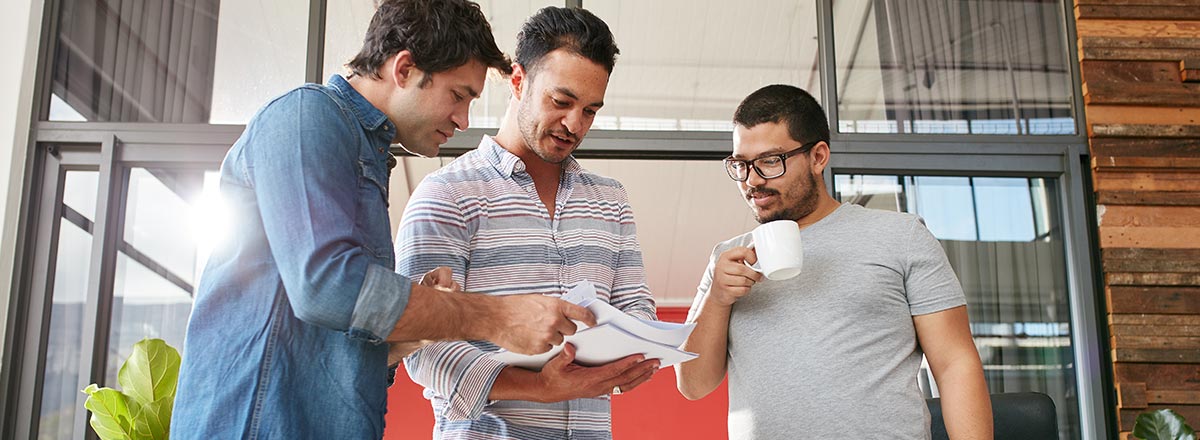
654 410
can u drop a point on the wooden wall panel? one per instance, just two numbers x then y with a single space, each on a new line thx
1140 65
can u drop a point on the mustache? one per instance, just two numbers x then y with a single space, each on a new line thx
760 191
565 135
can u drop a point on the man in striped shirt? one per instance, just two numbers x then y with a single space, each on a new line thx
519 215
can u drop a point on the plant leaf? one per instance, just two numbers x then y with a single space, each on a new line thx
1163 424
154 420
111 418
151 372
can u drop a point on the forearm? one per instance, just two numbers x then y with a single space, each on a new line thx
515 383
699 377
434 314
966 404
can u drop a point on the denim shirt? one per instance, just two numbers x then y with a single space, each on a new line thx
286 334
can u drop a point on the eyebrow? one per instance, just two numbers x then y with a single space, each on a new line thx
736 157
571 95
469 90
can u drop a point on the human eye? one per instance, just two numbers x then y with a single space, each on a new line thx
458 97
769 161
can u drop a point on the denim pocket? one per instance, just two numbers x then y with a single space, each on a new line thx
373 216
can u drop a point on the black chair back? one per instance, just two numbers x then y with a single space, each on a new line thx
1015 416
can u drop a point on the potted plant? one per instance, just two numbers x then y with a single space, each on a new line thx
1163 424
143 410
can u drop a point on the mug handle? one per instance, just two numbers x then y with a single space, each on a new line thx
757 267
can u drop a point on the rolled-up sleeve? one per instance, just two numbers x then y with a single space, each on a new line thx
302 166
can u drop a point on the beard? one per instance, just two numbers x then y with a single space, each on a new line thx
804 204
527 123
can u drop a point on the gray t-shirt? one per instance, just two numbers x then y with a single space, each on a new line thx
832 353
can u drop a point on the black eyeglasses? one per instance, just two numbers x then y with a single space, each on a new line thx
767 167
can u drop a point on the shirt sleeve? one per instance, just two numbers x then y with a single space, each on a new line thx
929 281
630 292
300 160
434 233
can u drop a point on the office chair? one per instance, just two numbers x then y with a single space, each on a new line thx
1015 416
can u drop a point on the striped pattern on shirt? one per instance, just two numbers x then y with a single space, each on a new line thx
482 217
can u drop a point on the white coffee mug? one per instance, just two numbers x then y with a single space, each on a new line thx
780 254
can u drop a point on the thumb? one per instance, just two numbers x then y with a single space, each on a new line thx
564 358
578 313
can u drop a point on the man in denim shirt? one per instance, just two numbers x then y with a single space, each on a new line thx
290 330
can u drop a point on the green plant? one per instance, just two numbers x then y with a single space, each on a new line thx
143 410
1163 424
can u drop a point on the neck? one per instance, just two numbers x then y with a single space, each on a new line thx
375 91
825 206
509 137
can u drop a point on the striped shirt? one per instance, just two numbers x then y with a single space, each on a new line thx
482 217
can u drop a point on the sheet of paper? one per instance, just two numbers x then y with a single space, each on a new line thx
600 345
615 336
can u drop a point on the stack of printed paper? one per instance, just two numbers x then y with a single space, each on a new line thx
615 336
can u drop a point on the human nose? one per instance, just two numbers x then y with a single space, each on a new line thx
461 118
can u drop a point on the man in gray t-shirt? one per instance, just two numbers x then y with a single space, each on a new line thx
834 351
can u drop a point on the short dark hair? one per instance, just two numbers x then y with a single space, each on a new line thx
440 34
792 105
574 29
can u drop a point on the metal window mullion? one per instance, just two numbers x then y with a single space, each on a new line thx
315 57
31 309
828 71
110 196
1084 320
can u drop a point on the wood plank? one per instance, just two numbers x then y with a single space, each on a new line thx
1134 54
1105 180
1150 237
1165 300
1124 114
1149 216
1127 417
1146 319
1142 12
1157 356
1164 397
1159 376
1154 254
1137 28
1098 72
1156 342
1139 42
1155 330
1189 69
1144 147
1148 198
1151 265
1152 279
1131 395
1148 130
1145 163
1162 94
1138 2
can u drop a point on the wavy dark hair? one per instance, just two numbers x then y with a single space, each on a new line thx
577 30
792 105
440 34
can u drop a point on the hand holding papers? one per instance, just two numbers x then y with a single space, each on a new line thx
615 336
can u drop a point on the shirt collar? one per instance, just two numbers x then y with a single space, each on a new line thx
370 117
507 163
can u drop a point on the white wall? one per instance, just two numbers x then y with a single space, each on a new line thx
20 31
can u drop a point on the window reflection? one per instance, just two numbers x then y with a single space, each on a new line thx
172 219
1002 238
952 67
60 390
181 61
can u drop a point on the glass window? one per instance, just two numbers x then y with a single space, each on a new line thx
60 389
346 24
691 76
182 61
1002 238
951 66
172 219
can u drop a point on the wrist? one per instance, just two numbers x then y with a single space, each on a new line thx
474 312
